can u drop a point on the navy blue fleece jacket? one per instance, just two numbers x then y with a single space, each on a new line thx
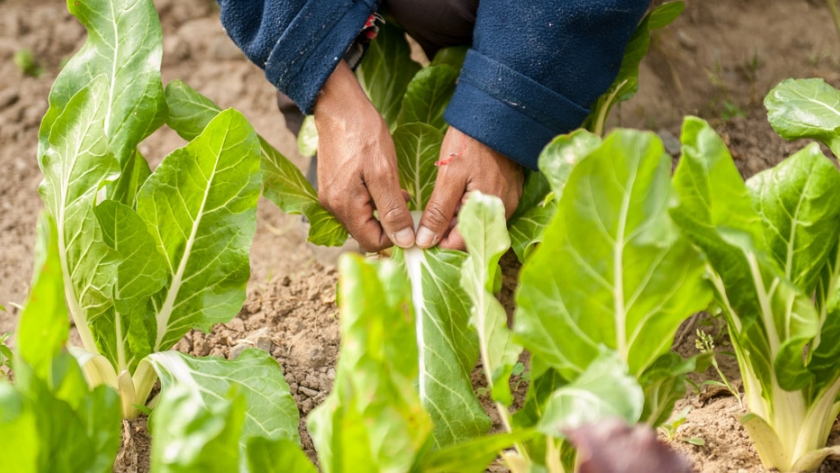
534 68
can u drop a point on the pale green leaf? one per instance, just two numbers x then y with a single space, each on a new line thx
627 278
125 44
43 329
799 204
805 108
277 456
474 455
373 420
448 349
386 70
76 165
482 224
142 273
605 390
307 139
20 432
427 96
200 206
270 410
559 157
193 436
418 148
282 181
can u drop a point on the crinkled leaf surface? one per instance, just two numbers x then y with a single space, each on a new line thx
200 206
193 436
373 420
76 164
773 319
427 96
125 45
605 390
448 349
270 410
543 190
282 181
142 272
799 204
805 108
418 147
386 70
482 224
628 277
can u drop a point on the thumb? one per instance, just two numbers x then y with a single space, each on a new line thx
440 210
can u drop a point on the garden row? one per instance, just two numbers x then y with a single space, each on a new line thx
140 257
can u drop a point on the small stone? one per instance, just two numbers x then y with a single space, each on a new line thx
238 349
201 347
264 343
183 346
686 41
307 406
671 142
307 391
331 373
311 381
236 324
293 388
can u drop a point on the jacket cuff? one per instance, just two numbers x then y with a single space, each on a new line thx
508 111
301 62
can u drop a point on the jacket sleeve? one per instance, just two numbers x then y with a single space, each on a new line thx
297 42
536 66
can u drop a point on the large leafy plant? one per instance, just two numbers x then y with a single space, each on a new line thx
145 256
772 248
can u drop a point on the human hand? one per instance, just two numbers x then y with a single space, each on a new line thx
357 166
466 165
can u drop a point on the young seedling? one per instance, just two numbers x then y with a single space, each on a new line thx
705 343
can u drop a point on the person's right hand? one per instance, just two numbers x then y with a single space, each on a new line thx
357 166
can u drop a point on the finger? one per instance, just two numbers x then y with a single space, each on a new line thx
449 189
454 241
394 217
354 209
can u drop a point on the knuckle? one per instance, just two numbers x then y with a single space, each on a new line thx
435 216
393 215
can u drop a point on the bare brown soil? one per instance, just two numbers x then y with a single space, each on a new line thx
717 61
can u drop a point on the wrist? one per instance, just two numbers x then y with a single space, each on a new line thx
341 98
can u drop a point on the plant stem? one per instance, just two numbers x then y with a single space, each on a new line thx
835 14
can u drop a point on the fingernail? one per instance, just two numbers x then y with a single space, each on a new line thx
404 238
425 237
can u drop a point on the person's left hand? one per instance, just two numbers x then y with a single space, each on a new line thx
466 165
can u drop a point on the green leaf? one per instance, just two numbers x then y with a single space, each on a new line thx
386 70
277 456
556 162
20 433
772 319
605 390
448 348
43 328
270 410
628 277
474 455
665 14
282 181
664 383
482 223
142 273
136 171
427 96
307 138
125 44
418 148
452 56
192 436
76 164
799 204
805 108
200 206
373 419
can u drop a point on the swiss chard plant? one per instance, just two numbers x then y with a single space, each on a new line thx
146 256
772 249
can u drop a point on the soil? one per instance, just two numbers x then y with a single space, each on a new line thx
717 61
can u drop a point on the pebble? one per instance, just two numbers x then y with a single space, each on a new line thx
238 349
307 406
686 41
201 347
307 391
293 388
